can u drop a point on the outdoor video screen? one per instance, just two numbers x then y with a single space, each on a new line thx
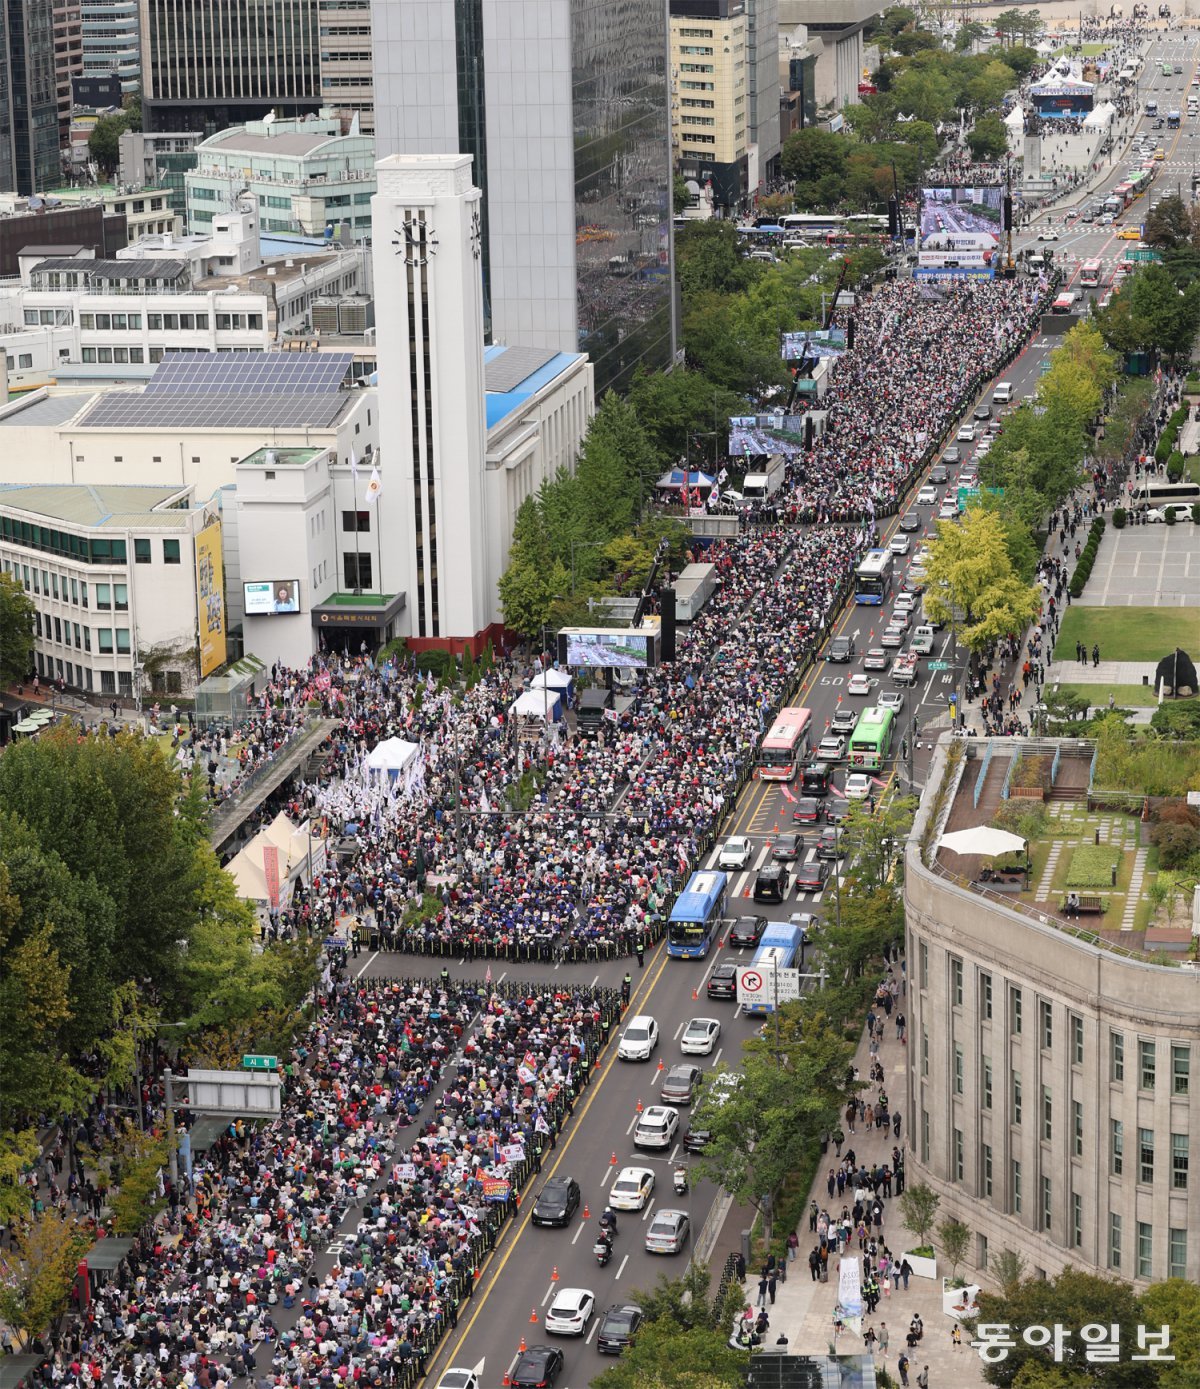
958 211
819 342
751 434
607 648
271 596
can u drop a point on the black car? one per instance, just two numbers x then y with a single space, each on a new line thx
938 474
722 982
618 1329
952 454
812 877
835 812
841 649
557 1202
910 521
537 1368
830 846
983 411
746 931
695 1140
808 811
772 883
787 848
814 780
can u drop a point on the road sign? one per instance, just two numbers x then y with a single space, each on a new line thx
260 1063
759 988
938 665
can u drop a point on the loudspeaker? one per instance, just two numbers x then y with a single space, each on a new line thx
666 624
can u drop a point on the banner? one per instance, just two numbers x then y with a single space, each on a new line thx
210 598
512 1152
271 869
496 1188
850 1287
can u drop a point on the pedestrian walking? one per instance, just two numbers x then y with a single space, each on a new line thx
762 1290
902 1367
883 1339
923 1378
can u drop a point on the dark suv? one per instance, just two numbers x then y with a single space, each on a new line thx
746 931
557 1202
841 649
773 883
722 982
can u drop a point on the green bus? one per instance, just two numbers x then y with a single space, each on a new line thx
1168 70
871 741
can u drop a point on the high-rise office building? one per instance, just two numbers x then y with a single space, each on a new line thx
110 40
345 64
217 63
709 98
68 61
29 131
563 107
762 61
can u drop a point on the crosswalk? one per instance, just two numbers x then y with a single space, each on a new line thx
741 881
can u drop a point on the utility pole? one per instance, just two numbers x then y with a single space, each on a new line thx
172 1144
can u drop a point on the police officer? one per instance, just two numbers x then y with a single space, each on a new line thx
626 987
445 977
641 951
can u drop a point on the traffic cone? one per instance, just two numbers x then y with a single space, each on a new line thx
587 1215
505 1382
660 1060
612 1162
720 942
532 1318
522 1347
639 1104
695 995
554 1274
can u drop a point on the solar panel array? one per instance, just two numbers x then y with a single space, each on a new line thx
251 373
508 369
214 410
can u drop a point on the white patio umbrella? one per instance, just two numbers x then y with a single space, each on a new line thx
982 840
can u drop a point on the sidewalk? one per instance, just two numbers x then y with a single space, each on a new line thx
803 1309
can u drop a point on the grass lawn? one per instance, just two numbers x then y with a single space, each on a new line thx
1191 468
1127 696
1089 50
1091 866
1128 634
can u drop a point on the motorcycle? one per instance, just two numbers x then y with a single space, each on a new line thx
603 1251
680 1181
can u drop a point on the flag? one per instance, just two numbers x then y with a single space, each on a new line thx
353 463
374 487
540 1125
484 804
487 978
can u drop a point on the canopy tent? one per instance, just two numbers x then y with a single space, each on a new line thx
557 682
674 479
982 840
1102 116
392 756
295 848
1016 118
537 704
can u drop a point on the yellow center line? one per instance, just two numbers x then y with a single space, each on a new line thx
646 988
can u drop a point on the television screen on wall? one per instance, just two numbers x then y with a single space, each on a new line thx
269 596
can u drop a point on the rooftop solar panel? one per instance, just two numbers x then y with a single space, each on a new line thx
251 373
508 369
215 410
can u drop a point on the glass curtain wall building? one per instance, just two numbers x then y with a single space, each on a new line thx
29 104
562 105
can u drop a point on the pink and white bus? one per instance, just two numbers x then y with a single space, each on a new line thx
785 746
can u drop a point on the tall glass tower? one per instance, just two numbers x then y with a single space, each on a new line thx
563 107
29 96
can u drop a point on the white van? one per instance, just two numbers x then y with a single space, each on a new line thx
922 641
1003 393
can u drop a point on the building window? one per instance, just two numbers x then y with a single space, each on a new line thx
1016 1187
104 641
985 993
1146 1064
364 522
1076 1220
987 1169
1116 1144
123 641
1046 1203
924 1135
924 1051
987 1082
1047 1114
923 958
170 551
121 597
356 570
958 1155
1016 1012
958 1069
1177 1253
104 597
1145 1249
1116 1056
1076 1128
1114 1240
956 981
1181 1063
1076 1040
1146 1156
1179 1161
1016 1097
1047 1012
141 552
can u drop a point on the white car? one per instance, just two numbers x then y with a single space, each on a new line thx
928 493
858 786
890 699
1047 234
893 636
657 1127
632 1189
700 1036
899 544
859 685
570 1312
948 511
639 1038
831 748
458 1379
905 602
1181 510
735 852
966 433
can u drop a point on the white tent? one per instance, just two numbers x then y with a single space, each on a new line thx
291 845
1102 116
537 704
982 840
556 679
1015 119
392 756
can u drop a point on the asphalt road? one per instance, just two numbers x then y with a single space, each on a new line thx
517 1279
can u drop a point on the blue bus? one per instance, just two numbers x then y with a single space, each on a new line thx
695 920
873 577
778 948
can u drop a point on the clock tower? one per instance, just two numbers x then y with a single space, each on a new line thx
432 406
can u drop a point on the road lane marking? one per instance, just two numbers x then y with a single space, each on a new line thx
549 1294
621 1270
582 1228
679 1029
717 1057
647 1209
370 962
608 1171
592 1332
632 1122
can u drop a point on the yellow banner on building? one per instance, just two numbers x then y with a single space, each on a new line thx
210 598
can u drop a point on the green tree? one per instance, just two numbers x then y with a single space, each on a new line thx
665 1356
913 41
35 1281
972 584
676 407
16 632
988 88
131 108
874 841
918 1210
682 1301
680 197
955 1239
988 138
708 257
1168 224
104 143
895 20
875 118
812 153
1073 1299
1176 1303
969 34
1022 59
927 95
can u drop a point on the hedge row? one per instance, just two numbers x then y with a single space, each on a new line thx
1170 436
1083 570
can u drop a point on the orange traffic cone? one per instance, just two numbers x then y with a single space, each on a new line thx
612 1162
660 1060
721 943
639 1105
554 1274
587 1215
695 995
522 1347
505 1382
532 1317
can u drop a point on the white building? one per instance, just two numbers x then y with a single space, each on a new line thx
112 574
147 210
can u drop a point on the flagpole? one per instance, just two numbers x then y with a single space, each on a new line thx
354 492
